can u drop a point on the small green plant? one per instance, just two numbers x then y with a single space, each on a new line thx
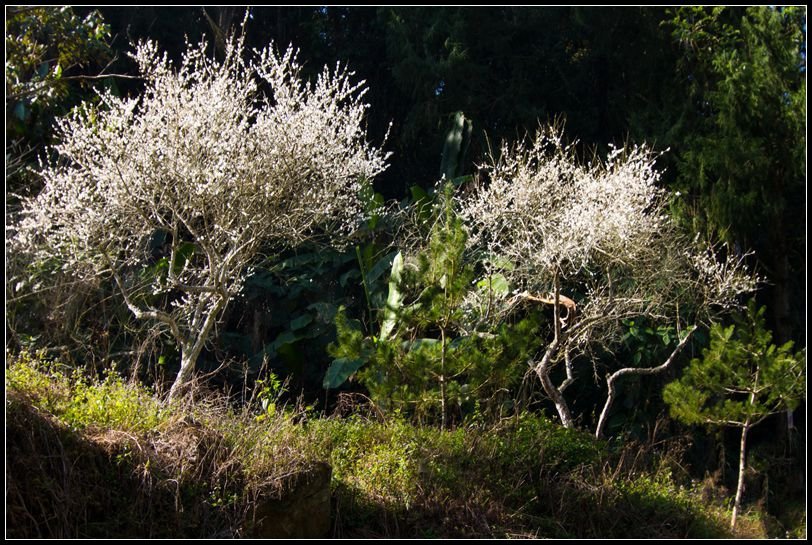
269 390
38 378
739 381
430 361
113 403
81 402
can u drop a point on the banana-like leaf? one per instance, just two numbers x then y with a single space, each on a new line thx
300 322
395 299
340 370
495 282
380 267
455 147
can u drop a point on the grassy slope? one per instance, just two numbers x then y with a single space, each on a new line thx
107 459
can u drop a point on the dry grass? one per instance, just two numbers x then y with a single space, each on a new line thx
108 459
200 470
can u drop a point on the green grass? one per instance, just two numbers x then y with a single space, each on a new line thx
80 402
526 477
106 458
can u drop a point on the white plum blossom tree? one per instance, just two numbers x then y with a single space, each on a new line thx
215 165
594 237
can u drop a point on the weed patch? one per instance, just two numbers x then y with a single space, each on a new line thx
94 459
107 459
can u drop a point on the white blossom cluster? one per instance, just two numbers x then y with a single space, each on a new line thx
722 280
598 234
545 211
203 151
221 158
599 229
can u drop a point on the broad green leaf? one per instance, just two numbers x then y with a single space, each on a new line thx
273 348
339 371
182 255
300 322
422 201
286 337
456 144
461 180
501 263
345 278
20 111
495 282
384 264
325 312
371 201
395 299
418 194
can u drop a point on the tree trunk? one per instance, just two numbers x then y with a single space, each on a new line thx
745 428
740 485
544 367
442 380
543 372
187 371
782 315
190 351
610 399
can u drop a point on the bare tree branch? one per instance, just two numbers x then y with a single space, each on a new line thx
626 371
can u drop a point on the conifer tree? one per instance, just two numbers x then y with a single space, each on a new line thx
436 356
741 379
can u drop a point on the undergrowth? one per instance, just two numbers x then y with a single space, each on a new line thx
525 477
107 458
80 402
